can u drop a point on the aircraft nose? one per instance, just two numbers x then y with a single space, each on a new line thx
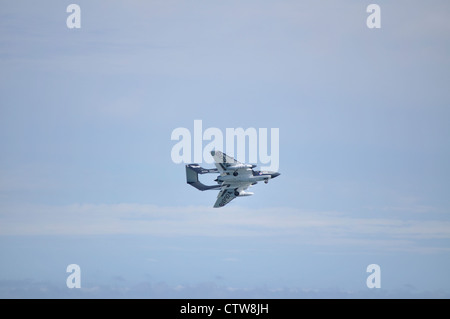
273 175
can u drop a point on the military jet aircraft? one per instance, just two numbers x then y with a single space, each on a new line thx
234 179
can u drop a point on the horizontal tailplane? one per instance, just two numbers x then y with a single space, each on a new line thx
192 171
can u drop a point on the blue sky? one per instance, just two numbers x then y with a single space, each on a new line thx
86 176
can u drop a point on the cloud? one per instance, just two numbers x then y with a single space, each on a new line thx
206 290
276 223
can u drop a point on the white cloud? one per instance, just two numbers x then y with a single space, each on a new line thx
281 224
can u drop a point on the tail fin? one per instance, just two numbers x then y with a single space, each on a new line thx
192 171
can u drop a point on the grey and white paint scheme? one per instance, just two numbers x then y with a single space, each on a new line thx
234 179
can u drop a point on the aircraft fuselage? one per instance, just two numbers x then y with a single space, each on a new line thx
257 176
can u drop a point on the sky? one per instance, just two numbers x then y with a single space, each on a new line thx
87 177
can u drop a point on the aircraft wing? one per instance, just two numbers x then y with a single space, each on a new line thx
223 161
227 193
225 196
